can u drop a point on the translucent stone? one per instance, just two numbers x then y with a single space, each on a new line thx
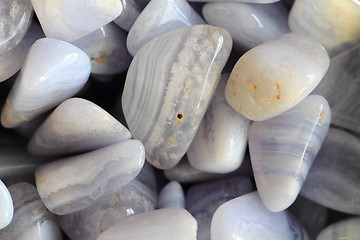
345 229
106 48
172 195
12 60
69 20
31 218
341 87
6 206
76 125
335 24
136 197
275 76
245 1
282 150
220 142
129 14
53 71
75 183
161 224
202 200
15 20
158 17
249 24
168 87
333 180
246 216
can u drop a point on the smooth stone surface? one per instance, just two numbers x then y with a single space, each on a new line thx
333 180
53 71
161 224
275 76
249 24
76 125
341 86
221 140
244 1
136 197
12 60
171 195
159 17
31 218
130 13
106 48
348 229
246 217
14 23
168 87
75 183
69 20
282 150
335 24
6 206
202 200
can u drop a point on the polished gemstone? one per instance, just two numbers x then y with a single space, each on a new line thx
275 76
76 125
348 229
246 1
171 195
168 87
129 14
6 206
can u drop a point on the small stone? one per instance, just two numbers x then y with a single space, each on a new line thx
245 1
172 195
275 76
6 206
129 14
345 229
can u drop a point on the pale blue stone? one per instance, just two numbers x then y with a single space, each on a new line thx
171 195
348 229
129 14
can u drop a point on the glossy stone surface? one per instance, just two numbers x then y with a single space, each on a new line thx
158 17
106 48
202 200
246 216
161 224
341 86
136 197
12 60
246 1
14 23
249 24
220 142
333 180
76 125
6 206
31 218
168 87
171 195
275 76
130 13
75 183
335 24
53 71
282 150
348 229
69 20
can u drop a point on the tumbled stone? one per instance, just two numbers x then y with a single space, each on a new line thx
335 24
246 217
171 195
249 24
333 179
158 17
130 13
246 1
345 229
168 87
106 48
202 200
220 142
6 206
161 224
341 86
53 71
282 150
15 21
75 183
31 218
69 20
275 76
136 197
76 125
